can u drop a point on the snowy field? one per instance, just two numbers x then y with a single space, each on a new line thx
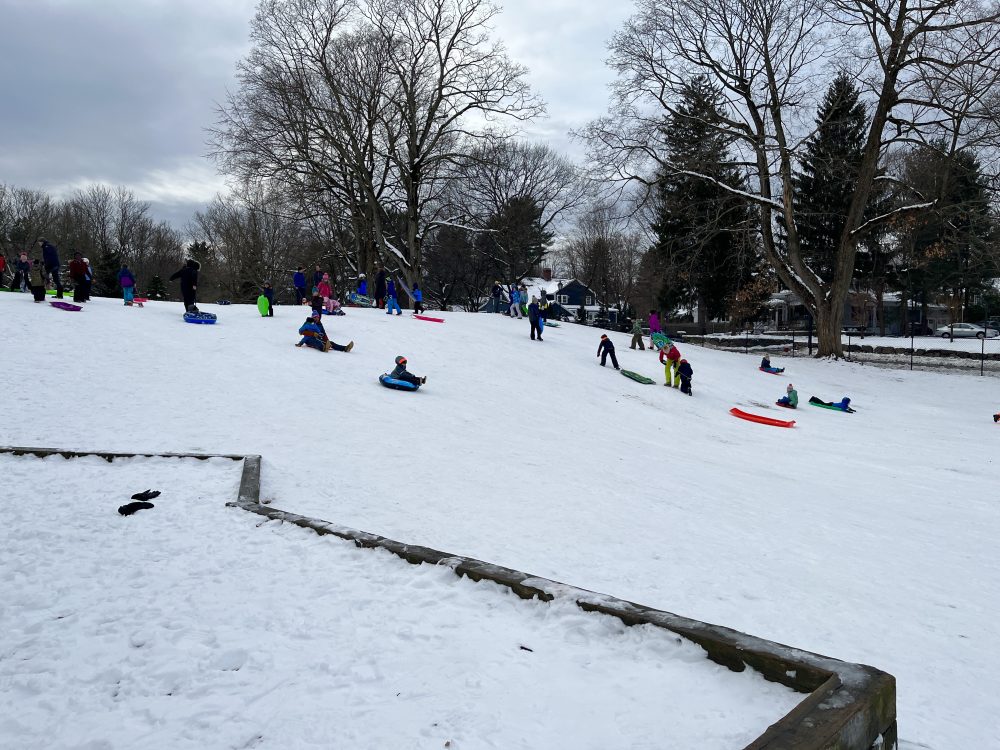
870 537
193 625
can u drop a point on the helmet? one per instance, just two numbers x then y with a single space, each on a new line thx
400 360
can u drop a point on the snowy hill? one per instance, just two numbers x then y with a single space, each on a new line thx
869 537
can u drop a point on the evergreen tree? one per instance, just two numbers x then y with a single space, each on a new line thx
825 181
704 231
951 246
105 274
514 237
156 289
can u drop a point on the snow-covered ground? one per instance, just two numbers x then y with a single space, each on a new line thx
193 625
869 537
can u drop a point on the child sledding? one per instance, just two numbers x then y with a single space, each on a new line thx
315 337
765 366
791 398
843 405
400 378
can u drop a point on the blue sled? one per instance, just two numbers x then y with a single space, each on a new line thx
399 385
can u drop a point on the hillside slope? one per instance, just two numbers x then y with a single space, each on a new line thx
868 537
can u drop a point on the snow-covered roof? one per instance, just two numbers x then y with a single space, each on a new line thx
536 285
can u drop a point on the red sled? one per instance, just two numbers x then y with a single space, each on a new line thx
772 370
432 320
759 419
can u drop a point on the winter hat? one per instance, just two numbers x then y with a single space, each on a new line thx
400 360
604 335
790 387
683 361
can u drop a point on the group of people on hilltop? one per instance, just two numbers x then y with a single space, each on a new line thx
42 272
385 295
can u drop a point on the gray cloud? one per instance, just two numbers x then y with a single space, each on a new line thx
121 91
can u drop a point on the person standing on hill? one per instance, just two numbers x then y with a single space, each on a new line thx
496 293
671 361
50 254
19 273
637 335
324 290
269 296
418 299
654 327
127 281
3 267
37 280
78 273
188 276
299 282
534 317
318 276
515 303
607 348
380 288
391 303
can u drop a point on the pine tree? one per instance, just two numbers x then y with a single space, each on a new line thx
156 289
824 184
514 237
703 229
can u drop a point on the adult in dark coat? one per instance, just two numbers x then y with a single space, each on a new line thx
78 273
50 256
496 292
189 282
380 287
533 317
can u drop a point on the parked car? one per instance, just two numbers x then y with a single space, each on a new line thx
992 324
966 330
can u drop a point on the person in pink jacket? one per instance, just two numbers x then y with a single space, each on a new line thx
323 290
671 360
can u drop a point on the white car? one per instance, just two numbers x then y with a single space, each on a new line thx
965 330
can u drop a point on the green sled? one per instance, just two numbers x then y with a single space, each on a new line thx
831 408
637 377
661 341
262 306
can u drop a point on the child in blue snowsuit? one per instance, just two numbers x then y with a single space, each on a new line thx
765 365
314 336
269 295
391 303
686 373
418 300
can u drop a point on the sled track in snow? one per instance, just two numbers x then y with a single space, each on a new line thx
845 706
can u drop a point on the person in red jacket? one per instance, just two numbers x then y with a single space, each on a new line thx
671 361
78 273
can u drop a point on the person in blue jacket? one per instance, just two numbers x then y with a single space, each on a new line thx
515 303
418 299
299 282
50 257
362 285
315 337
390 298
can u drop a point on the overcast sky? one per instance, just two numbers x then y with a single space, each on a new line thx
121 91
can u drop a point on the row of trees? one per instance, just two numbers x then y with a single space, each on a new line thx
928 74
107 225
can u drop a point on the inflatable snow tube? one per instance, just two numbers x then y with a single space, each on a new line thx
203 318
398 385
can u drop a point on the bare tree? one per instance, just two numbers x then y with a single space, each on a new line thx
930 71
363 108
605 255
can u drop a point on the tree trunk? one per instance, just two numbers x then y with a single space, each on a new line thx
829 318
